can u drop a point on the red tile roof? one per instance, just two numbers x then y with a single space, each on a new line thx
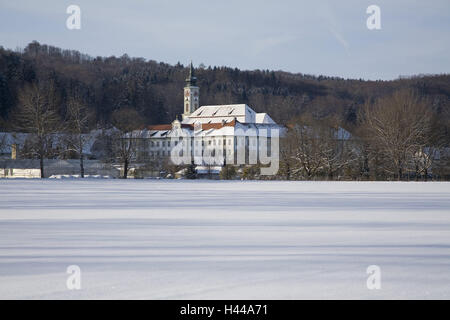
205 126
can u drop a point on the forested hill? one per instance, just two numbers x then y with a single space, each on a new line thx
155 89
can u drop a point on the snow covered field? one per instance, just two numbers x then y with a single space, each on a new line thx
149 239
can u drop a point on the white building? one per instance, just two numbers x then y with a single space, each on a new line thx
30 168
232 133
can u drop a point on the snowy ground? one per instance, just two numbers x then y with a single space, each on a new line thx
231 240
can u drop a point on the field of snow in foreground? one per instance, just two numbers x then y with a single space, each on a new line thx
150 239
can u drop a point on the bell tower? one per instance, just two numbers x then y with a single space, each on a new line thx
191 93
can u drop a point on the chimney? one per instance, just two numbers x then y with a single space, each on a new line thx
14 151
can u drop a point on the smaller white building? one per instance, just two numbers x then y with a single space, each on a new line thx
30 168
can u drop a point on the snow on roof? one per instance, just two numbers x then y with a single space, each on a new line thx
232 110
342 134
206 170
263 118
231 128
219 113
51 163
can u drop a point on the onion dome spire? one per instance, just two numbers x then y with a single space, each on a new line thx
192 79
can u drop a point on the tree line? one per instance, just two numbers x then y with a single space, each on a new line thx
399 128
398 138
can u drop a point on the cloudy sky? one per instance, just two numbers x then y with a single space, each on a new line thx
312 37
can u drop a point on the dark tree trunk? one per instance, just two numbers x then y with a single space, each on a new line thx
366 170
41 163
81 166
125 169
81 157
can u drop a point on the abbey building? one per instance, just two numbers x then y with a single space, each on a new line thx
231 134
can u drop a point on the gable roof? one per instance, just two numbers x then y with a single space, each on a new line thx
159 130
232 110
263 118
219 113
168 126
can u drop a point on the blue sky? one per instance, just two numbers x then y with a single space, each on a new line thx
312 37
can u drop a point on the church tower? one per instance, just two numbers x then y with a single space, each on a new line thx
191 94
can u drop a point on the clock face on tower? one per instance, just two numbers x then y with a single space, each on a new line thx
186 93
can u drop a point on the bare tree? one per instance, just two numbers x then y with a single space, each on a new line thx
422 161
287 148
36 113
3 141
78 118
313 148
430 149
306 152
336 151
398 125
128 123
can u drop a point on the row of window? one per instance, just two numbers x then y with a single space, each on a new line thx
214 142
164 153
163 143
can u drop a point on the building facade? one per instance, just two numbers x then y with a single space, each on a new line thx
211 135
